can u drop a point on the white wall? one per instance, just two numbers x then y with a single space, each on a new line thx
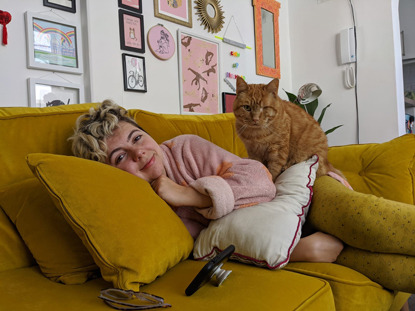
162 76
314 26
103 76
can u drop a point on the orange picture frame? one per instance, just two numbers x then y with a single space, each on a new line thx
272 7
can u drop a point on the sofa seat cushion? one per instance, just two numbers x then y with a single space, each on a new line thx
352 290
247 288
219 128
385 170
131 233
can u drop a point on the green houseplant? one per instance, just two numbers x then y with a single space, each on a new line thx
311 108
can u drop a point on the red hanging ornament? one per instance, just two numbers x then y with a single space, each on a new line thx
5 18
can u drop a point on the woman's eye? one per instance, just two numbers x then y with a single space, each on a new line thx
247 107
119 158
137 138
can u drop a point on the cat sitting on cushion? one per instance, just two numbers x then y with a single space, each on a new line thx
277 132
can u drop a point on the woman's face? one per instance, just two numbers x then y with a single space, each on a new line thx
136 152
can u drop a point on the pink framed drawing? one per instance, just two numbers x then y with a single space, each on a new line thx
161 42
132 5
199 74
176 11
131 31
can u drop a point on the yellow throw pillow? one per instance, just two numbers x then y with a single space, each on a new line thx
56 248
132 234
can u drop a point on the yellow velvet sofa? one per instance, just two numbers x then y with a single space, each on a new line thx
37 188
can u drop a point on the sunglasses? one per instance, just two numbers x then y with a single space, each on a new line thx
130 300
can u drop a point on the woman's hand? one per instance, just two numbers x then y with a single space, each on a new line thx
177 195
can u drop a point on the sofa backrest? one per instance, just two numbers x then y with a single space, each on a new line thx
29 130
219 128
386 170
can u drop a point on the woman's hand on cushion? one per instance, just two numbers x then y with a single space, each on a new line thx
177 195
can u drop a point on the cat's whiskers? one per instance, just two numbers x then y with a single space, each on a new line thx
242 129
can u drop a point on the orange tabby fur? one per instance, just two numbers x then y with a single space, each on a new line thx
277 132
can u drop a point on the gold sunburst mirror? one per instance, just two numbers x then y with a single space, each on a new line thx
210 14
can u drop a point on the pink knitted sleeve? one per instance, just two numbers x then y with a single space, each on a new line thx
230 181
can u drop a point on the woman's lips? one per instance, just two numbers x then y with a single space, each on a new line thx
149 163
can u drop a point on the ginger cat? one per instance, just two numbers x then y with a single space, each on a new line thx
277 132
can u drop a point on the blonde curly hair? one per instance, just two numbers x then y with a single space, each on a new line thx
92 129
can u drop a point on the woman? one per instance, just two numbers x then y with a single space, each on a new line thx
198 179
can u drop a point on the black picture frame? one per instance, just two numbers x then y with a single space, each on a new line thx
134 73
68 8
134 40
131 8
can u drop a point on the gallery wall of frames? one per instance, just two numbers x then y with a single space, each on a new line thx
171 56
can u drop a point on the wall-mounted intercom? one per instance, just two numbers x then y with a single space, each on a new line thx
347 46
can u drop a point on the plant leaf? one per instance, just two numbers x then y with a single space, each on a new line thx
291 97
322 114
311 107
332 129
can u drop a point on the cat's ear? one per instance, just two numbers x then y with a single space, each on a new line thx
241 85
272 87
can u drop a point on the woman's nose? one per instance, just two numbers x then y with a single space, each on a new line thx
138 153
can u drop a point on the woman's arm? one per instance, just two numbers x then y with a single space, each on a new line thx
177 195
230 181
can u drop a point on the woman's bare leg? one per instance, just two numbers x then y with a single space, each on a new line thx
317 247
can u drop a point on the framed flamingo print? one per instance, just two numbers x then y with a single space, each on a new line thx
198 74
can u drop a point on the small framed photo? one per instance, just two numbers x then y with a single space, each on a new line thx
176 11
227 101
53 44
132 5
161 42
134 68
64 5
131 31
46 93
198 74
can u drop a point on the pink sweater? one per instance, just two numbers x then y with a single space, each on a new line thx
230 181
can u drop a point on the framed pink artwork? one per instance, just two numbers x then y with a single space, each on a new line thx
161 42
176 11
198 74
131 31
227 101
132 5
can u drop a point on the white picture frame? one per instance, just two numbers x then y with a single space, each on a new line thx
46 93
53 44
199 74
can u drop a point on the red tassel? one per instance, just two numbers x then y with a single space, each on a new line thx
5 18
4 35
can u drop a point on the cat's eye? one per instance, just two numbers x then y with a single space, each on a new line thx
247 107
